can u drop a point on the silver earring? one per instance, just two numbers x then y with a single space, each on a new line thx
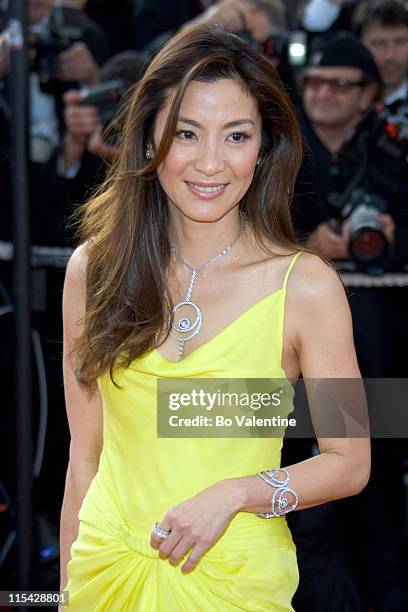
258 161
149 151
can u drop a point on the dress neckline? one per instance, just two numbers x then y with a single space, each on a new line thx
156 353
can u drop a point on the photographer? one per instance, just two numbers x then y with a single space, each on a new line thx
261 18
257 18
155 21
86 45
356 163
78 164
65 49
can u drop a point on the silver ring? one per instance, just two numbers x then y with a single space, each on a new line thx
160 532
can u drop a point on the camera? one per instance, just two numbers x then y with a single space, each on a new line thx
288 48
105 97
368 245
67 25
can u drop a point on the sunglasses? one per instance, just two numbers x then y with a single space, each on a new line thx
337 86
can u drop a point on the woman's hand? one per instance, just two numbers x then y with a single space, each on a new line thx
198 523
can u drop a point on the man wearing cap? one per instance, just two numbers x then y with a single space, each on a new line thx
351 149
339 87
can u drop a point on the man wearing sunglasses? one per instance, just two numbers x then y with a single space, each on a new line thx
351 149
339 88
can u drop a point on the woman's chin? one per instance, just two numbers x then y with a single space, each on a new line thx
203 212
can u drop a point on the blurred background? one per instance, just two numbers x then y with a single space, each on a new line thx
65 70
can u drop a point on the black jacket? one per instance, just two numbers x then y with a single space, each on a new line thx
386 174
152 18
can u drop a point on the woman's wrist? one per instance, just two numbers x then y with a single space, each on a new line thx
253 494
248 494
235 491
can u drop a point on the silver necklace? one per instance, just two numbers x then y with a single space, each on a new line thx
187 329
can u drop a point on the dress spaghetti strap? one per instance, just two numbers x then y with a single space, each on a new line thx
290 266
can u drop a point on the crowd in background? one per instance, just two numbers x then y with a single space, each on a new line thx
345 66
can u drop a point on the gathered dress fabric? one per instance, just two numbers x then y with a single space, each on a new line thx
253 566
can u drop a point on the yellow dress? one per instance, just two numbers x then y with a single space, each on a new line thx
253 565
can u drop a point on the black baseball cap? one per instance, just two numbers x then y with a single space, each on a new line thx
342 49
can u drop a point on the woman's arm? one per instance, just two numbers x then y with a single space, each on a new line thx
84 414
318 330
319 344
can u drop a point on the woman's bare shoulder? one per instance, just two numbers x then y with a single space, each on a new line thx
313 279
77 264
316 297
75 278
318 320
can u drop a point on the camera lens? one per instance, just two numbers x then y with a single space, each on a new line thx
368 245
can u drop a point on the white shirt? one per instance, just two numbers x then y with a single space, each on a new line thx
399 94
44 135
319 15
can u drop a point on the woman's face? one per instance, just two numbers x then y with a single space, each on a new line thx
212 159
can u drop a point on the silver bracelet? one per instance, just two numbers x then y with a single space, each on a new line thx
279 496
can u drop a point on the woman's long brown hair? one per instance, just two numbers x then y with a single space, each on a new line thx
125 223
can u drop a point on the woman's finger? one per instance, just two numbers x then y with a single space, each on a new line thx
169 544
155 540
180 550
194 557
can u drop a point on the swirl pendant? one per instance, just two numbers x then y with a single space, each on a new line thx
187 328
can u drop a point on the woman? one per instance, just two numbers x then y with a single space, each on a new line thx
195 210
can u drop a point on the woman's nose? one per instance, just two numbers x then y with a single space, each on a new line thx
210 158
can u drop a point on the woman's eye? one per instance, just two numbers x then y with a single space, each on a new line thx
185 134
239 136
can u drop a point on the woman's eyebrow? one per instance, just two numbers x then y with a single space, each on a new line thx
227 125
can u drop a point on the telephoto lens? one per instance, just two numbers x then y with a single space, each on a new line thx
368 245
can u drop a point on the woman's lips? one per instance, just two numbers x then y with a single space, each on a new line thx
207 191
